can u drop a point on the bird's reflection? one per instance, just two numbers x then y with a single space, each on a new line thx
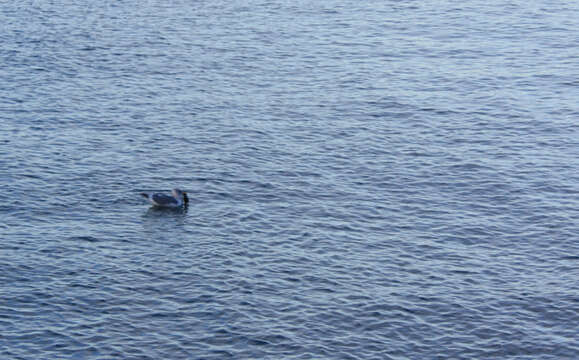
156 211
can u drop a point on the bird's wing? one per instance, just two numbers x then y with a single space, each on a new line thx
164 200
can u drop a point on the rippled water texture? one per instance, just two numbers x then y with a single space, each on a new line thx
368 179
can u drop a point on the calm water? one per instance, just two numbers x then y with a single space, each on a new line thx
369 179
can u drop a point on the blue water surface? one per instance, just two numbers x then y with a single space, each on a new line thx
368 179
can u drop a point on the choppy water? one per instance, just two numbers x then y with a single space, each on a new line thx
369 179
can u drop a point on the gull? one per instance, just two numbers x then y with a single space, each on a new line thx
178 199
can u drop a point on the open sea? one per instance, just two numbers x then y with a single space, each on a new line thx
369 179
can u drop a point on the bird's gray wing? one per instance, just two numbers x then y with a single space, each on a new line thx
164 200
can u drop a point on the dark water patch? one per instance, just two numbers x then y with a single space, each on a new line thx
89 239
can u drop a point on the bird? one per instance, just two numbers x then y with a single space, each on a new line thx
179 199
